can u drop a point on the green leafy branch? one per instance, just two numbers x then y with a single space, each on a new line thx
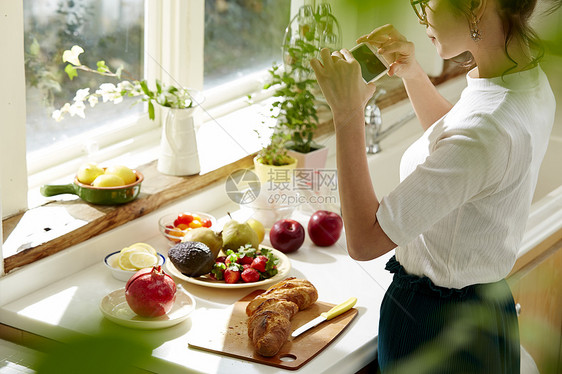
296 112
164 95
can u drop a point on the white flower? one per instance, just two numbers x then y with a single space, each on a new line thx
108 87
81 94
77 109
57 115
93 100
137 90
72 55
125 85
108 92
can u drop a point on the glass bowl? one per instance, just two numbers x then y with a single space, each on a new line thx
173 234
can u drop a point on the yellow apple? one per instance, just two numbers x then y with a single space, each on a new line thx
108 180
124 172
88 172
257 226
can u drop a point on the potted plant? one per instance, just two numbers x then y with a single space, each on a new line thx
295 106
273 164
178 147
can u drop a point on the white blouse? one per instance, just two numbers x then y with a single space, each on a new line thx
459 212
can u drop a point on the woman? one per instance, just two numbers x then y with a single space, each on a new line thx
458 215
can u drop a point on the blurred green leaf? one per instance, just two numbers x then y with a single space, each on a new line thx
70 71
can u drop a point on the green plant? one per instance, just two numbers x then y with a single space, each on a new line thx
275 153
296 103
295 108
165 95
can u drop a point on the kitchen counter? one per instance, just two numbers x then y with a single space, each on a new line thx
69 308
58 297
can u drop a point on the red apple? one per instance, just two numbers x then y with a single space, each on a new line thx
286 235
324 228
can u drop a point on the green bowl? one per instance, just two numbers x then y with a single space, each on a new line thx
97 195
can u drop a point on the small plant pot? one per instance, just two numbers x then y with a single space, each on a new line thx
315 159
274 174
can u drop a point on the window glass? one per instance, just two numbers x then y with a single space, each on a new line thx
242 36
107 30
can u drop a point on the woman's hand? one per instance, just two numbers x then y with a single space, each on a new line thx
396 49
339 77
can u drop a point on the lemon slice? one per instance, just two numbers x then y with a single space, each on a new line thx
147 247
124 260
141 260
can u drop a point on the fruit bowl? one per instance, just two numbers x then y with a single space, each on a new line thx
169 223
110 262
97 195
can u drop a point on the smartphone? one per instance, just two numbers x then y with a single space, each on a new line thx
373 65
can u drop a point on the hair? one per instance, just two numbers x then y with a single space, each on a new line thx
515 15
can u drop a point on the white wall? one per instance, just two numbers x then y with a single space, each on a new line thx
13 175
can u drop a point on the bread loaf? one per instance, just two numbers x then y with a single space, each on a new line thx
269 322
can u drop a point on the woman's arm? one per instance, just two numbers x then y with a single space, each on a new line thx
347 94
428 103
365 238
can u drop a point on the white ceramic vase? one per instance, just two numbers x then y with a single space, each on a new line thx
178 144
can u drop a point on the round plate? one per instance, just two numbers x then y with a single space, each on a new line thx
115 308
283 269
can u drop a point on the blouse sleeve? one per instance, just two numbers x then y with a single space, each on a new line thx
464 163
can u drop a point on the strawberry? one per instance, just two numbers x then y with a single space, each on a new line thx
245 260
231 275
231 257
221 259
259 263
250 275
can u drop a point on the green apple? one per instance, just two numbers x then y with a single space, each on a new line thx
88 172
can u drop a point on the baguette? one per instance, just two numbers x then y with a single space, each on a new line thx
299 291
269 322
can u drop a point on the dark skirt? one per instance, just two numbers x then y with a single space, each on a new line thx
425 328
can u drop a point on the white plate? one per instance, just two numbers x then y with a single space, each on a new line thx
115 308
283 268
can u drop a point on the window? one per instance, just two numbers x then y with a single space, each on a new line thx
242 37
107 29
152 39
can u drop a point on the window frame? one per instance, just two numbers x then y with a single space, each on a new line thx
174 48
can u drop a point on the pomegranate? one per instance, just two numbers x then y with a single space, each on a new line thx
150 292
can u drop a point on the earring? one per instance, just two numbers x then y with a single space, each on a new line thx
474 30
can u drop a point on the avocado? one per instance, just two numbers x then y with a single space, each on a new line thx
192 258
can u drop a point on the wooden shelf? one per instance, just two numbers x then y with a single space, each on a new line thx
157 191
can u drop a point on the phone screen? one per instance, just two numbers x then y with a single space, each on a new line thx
371 66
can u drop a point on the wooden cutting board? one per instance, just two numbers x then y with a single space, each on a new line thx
230 337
